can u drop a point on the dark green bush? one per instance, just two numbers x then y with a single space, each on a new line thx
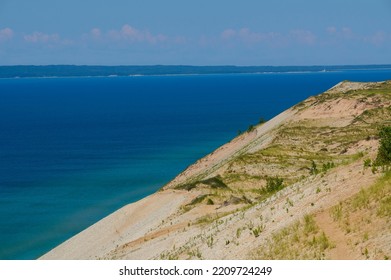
313 169
210 202
274 184
327 166
214 183
250 128
384 152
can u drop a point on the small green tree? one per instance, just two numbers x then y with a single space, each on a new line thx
313 168
274 184
367 163
250 128
384 152
327 166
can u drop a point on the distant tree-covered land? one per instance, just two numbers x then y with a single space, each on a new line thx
96 71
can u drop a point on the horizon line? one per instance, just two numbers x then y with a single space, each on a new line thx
192 65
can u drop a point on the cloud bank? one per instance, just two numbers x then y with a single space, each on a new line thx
130 44
6 34
126 33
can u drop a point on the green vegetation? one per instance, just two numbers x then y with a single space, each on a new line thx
376 199
361 200
257 230
384 152
327 166
313 169
238 232
210 241
336 212
385 207
367 163
198 199
274 184
207 219
214 183
373 206
379 90
378 196
302 240
250 128
309 224
195 254
290 153
210 202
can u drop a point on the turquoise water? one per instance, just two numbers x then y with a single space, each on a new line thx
73 150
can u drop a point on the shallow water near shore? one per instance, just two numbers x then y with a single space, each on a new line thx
73 150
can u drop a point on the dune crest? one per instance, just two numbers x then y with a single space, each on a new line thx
289 188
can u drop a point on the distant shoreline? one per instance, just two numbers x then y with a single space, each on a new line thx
60 71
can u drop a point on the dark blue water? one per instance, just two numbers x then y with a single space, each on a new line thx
73 150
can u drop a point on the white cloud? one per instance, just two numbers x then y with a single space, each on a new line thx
347 32
131 34
128 31
248 36
39 37
113 35
378 38
272 39
96 33
228 34
243 35
344 32
303 36
180 40
6 34
345 35
331 29
141 36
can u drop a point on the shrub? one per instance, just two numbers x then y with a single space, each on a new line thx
313 168
256 231
309 224
274 184
214 183
327 166
198 199
250 128
385 207
367 163
384 152
336 212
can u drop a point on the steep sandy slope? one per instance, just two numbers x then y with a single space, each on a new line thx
291 188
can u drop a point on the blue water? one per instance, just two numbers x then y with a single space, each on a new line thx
73 150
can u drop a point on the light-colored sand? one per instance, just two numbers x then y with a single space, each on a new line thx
128 223
180 241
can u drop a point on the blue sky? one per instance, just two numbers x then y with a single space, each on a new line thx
202 32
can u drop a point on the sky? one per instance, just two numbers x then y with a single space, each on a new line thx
201 32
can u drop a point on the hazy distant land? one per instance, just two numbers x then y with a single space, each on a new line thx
24 71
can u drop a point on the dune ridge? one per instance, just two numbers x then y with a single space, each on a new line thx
295 178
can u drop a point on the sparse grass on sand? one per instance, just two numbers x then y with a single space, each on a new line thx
302 240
